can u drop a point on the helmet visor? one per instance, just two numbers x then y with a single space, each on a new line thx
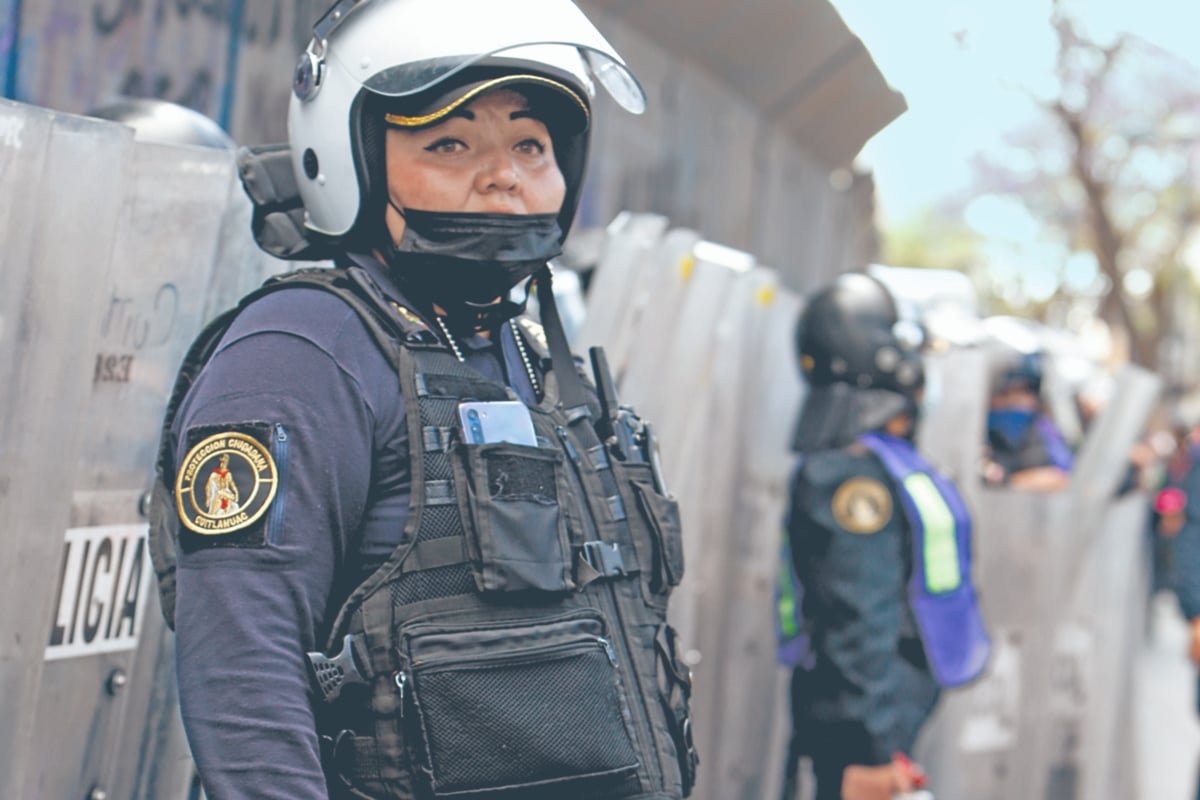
402 47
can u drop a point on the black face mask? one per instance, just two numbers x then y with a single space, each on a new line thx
463 262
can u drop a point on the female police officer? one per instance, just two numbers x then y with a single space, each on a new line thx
880 544
405 603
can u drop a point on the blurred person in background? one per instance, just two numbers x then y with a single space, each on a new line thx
1025 449
1169 507
1178 509
878 611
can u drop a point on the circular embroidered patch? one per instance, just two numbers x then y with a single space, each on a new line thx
862 505
225 484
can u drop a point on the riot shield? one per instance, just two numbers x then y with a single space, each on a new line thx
627 243
68 176
114 256
756 397
641 344
239 265
1061 578
119 688
704 344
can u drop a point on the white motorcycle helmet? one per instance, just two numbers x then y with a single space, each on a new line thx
417 60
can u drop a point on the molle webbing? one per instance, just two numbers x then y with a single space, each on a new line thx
438 382
431 563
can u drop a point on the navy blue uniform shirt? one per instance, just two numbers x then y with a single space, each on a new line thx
300 361
871 683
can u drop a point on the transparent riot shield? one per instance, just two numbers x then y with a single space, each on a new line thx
115 691
649 313
686 369
63 193
641 346
1061 578
628 241
1098 601
755 397
239 265
980 743
766 464
713 406
950 434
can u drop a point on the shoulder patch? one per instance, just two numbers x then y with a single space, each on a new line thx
408 315
862 505
224 486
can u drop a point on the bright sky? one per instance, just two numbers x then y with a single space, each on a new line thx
967 68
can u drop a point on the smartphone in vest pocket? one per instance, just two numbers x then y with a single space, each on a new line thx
496 421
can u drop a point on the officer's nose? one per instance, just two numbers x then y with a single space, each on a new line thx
499 175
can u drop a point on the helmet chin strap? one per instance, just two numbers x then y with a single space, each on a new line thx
397 209
570 385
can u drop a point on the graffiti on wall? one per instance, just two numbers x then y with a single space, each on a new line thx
75 55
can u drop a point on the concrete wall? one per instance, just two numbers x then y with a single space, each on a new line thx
701 155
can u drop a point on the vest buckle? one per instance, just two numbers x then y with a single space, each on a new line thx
605 558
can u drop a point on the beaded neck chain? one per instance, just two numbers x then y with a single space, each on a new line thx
450 339
525 360
533 381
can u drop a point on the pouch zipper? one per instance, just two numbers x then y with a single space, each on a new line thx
275 523
509 656
411 631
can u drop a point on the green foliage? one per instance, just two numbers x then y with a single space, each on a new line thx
931 241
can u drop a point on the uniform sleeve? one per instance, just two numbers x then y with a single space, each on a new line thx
857 584
249 606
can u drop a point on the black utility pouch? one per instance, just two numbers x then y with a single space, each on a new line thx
518 540
662 515
499 711
675 691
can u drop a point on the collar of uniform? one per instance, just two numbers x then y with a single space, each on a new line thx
382 276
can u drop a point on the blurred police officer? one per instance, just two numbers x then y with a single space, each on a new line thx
880 545
377 594
1025 448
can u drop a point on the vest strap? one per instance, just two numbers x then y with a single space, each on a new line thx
351 758
598 457
434 553
436 439
440 493
616 507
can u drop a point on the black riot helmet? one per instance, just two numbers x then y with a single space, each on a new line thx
159 121
861 361
1025 371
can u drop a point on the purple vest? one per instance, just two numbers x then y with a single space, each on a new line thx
940 590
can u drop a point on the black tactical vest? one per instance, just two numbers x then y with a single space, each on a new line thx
515 644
